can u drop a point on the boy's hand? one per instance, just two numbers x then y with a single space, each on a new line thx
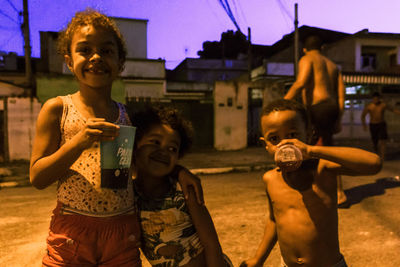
250 263
187 179
304 148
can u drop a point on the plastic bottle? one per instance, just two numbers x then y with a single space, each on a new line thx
288 157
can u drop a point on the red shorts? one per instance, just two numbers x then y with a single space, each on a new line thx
78 240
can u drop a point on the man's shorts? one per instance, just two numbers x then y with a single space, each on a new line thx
378 132
324 116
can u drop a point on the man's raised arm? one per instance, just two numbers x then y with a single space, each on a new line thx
302 79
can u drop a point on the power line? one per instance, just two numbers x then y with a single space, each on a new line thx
9 40
12 5
8 28
241 11
236 10
285 13
284 9
215 14
7 16
228 11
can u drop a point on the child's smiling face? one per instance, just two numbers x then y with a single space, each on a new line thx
157 152
279 125
94 58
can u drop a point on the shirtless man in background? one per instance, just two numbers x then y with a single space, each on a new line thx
377 125
323 93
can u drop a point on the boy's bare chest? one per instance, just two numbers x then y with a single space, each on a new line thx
311 193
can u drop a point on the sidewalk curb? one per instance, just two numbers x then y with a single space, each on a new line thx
203 171
242 168
11 184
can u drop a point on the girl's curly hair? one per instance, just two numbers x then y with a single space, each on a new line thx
96 19
155 115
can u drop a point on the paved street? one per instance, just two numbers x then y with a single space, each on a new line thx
369 229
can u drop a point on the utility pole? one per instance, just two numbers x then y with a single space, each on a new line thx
296 41
249 53
27 48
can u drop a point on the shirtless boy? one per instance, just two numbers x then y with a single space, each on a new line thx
377 125
302 203
323 92
322 87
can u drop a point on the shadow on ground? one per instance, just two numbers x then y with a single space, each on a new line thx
357 194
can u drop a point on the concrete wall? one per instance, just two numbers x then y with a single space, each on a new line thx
52 86
230 111
135 34
145 88
286 55
209 70
21 117
342 53
150 69
50 60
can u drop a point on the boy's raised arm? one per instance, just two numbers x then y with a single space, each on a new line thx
305 70
343 160
350 160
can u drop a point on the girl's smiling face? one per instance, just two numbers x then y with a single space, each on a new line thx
157 152
94 58
279 125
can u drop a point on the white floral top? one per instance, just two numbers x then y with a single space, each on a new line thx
80 189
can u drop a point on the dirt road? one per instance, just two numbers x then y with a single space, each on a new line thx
369 230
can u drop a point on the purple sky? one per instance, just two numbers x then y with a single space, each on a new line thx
177 28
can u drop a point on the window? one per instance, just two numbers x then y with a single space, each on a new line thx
256 93
230 102
228 63
353 90
393 60
368 62
360 89
2 61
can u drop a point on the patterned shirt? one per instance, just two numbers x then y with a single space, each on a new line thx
166 222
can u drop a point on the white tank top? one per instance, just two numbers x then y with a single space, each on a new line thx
80 189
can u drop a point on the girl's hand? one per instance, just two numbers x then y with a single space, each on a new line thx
186 180
304 148
97 129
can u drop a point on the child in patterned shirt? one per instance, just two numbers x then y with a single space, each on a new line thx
175 231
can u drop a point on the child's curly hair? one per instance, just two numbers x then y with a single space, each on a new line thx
156 115
94 18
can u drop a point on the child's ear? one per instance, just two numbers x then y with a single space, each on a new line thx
68 61
263 140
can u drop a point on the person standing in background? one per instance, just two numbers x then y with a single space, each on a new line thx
323 92
377 125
